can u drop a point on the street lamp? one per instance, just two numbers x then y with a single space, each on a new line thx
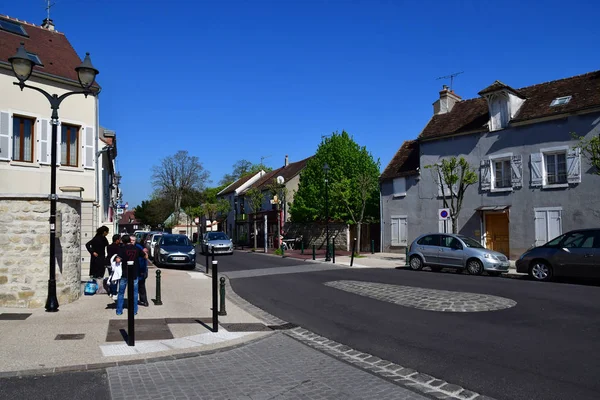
326 170
22 67
235 206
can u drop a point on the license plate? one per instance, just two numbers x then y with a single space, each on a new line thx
506 264
178 258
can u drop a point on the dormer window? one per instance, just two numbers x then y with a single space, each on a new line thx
498 106
559 101
504 103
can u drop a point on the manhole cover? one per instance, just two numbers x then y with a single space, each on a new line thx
70 336
13 317
249 327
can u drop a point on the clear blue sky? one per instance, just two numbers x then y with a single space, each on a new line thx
230 80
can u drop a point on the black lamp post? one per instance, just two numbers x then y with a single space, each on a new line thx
235 206
22 67
326 170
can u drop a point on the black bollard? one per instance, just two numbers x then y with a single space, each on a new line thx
215 297
333 253
206 254
158 300
353 251
313 252
406 263
372 246
222 310
130 305
212 251
302 247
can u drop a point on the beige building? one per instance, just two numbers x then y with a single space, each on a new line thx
25 150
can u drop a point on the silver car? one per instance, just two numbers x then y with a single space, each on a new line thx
219 241
441 250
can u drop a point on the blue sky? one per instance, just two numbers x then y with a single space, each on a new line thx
230 80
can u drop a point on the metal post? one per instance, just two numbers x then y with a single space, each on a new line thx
282 251
206 254
212 250
158 300
215 296
353 251
52 300
333 252
130 307
406 256
327 257
222 310
266 235
278 226
314 255
373 246
302 247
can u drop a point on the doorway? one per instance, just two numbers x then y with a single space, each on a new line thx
496 232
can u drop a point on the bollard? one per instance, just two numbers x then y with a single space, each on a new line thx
314 252
332 253
406 263
353 251
158 301
372 246
206 254
130 306
212 250
222 309
215 297
302 247
282 251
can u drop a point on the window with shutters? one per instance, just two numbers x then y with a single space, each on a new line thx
69 145
501 173
556 167
399 187
399 227
23 138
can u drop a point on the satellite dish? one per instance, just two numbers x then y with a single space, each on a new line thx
280 180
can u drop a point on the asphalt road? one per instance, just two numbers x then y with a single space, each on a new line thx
546 347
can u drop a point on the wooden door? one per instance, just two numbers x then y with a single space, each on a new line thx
496 233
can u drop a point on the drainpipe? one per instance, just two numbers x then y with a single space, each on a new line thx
380 221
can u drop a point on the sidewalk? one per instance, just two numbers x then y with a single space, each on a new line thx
93 330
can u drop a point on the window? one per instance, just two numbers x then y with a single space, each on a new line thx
13 27
69 145
35 58
399 187
578 240
451 242
399 232
556 168
502 174
471 242
430 240
23 139
548 224
559 101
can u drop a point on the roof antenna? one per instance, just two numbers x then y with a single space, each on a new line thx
451 77
262 158
48 7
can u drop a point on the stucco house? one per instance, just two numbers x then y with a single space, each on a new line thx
25 133
533 183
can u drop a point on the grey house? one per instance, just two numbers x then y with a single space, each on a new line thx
533 184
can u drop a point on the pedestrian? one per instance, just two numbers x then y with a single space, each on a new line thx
112 254
97 248
130 256
143 274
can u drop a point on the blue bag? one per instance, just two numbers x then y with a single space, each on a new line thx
90 288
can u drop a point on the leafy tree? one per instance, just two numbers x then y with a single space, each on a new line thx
590 148
453 176
255 199
154 211
178 174
240 169
353 190
210 210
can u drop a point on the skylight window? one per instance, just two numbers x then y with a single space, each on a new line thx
13 27
559 101
34 57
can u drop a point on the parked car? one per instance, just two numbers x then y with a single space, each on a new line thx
441 250
139 235
174 250
221 243
574 254
150 242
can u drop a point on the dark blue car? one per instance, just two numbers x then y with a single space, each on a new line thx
175 250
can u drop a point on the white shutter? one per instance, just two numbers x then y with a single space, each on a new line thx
444 226
58 143
516 167
44 140
5 137
574 165
403 236
554 224
537 168
485 177
541 230
395 231
399 186
88 147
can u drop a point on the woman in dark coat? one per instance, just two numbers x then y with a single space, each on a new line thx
97 248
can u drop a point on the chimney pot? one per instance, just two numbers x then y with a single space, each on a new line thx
48 24
287 160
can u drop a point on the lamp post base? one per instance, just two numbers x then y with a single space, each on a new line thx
51 301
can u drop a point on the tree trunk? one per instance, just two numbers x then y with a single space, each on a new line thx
255 235
454 225
358 229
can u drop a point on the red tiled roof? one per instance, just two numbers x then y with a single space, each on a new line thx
404 163
472 115
288 173
125 218
54 50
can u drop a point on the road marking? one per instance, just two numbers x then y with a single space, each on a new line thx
295 269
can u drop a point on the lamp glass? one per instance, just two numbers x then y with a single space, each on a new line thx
86 77
22 68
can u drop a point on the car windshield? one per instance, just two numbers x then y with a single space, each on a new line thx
555 242
156 238
175 241
217 236
471 242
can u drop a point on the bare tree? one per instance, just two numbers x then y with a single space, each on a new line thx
177 174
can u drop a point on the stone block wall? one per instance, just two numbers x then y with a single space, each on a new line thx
315 233
24 259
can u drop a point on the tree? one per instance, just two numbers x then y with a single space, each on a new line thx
154 211
255 199
353 190
242 168
590 148
453 176
178 174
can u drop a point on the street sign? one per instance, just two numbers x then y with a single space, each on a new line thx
444 214
120 211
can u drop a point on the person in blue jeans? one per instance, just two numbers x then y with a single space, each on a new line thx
143 274
130 256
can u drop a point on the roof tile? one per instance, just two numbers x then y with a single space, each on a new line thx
404 163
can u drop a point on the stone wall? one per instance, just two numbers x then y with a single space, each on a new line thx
24 259
315 233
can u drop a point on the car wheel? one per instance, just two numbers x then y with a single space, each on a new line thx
474 266
540 271
494 273
436 269
416 264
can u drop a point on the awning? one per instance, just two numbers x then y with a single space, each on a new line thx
492 208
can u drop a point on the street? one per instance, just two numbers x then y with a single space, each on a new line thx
513 339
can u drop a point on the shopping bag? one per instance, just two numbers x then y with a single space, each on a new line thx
90 288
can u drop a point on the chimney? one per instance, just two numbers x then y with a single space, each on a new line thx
287 160
446 101
48 24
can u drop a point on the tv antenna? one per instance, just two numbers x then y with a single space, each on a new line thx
451 77
48 6
262 159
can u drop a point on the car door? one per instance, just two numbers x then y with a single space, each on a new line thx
575 255
429 246
451 252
